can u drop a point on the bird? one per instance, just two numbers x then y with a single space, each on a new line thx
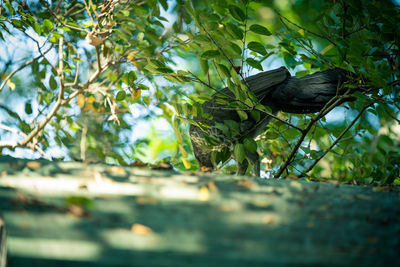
276 89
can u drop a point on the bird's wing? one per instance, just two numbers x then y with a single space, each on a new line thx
307 94
261 83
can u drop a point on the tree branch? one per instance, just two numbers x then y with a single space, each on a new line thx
337 139
13 145
304 29
22 67
335 101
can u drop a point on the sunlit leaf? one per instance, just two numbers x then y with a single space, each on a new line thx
210 54
257 47
242 115
254 63
237 13
256 28
239 152
129 78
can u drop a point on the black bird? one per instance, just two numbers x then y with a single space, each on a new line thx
276 89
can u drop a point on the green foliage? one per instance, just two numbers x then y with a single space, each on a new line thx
132 59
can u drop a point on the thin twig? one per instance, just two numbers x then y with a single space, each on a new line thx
337 139
244 40
16 131
327 108
306 30
21 67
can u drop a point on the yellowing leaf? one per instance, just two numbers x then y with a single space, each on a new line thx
11 85
204 194
90 99
301 31
186 163
136 93
80 101
132 59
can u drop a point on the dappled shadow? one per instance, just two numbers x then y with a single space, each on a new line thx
137 217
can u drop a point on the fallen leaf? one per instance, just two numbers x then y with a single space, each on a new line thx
205 169
310 224
296 184
99 178
227 208
146 200
141 229
211 185
260 203
116 170
33 164
204 194
77 211
268 219
246 183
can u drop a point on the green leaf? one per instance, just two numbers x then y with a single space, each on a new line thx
204 65
233 88
28 108
257 47
237 13
16 23
239 152
236 48
210 54
242 115
201 38
53 83
255 114
142 86
129 78
120 95
10 8
183 73
233 127
235 31
256 28
35 67
254 63
48 25
25 127
164 4
224 128
250 145
165 70
223 70
156 63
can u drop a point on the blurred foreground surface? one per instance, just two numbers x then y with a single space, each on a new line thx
74 214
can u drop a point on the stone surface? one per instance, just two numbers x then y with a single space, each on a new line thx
73 214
